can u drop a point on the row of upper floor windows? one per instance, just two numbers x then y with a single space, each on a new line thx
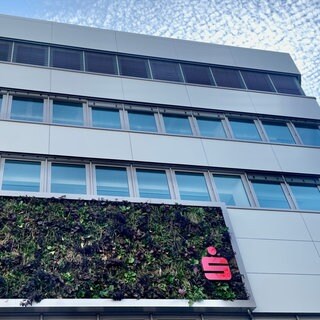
147 68
100 179
158 120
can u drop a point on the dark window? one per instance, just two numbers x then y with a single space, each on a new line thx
164 70
286 84
244 129
101 63
257 81
5 50
278 132
66 59
227 78
26 109
105 118
309 134
134 67
307 197
67 113
30 54
197 74
177 124
211 128
142 121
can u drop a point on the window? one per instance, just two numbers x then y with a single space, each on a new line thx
67 113
134 67
26 109
66 59
286 84
112 181
105 118
101 63
5 50
192 186
209 127
30 54
177 124
68 178
307 196
309 134
278 132
227 78
270 195
244 129
142 121
231 190
164 70
197 74
153 184
21 176
257 81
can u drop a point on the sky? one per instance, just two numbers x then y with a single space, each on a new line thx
291 26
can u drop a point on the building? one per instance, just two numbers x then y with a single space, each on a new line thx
175 120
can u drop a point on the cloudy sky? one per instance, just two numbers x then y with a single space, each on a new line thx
291 26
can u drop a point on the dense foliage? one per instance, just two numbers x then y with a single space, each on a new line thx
58 248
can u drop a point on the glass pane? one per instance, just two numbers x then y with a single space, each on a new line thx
231 190
309 135
211 128
163 70
105 118
5 50
101 63
134 67
68 178
112 181
66 59
67 113
177 124
21 176
26 109
257 81
197 74
244 129
141 121
286 84
278 132
30 54
307 197
270 195
227 78
153 184
192 186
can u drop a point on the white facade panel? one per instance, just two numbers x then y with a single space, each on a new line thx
312 221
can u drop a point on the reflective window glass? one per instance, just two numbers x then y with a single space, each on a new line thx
197 74
227 78
30 54
105 118
68 178
177 124
307 196
211 127
26 109
309 134
153 184
21 176
257 81
134 67
67 113
278 132
5 50
192 186
165 70
270 195
66 58
112 181
286 84
142 121
101 62
231 190
244 129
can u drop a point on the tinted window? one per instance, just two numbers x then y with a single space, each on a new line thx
163 70
309 134
227 78
211 128
134 67
101 63
67 113
30 54
177 124
5 50
66 59
278 132
26 109
197 74
286 84
307 197
105 118
257 81
244 129
142 121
